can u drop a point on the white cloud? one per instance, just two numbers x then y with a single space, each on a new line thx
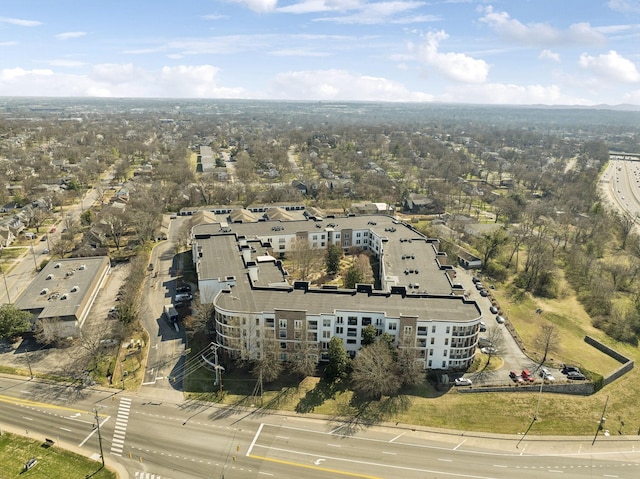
611 66
69 35
258 6
549 55
632 6
65 63
8 44
297 52
120 80
215 17
319 6
455 66
509 94
540 33
340 85
20 22
365 13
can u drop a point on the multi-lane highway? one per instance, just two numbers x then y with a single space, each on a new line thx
190 440
622 183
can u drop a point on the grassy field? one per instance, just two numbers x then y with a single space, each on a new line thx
508 413
53 462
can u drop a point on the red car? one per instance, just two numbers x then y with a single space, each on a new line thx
515 377
527 376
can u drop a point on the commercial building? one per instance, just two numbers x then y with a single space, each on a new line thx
417 299
64 291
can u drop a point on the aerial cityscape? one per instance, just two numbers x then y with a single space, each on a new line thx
239 288
319 239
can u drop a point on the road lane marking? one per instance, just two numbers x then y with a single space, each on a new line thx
265 473
445 460
93 432
456 448
390 453
255 438
27 418
65 429
316 468
398 436
34 404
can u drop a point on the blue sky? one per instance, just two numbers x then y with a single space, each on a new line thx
554 52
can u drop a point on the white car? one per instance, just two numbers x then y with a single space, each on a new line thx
183 297
546 375
463 382
500 319
489 350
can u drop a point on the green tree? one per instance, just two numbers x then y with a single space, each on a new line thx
339 361
352 277
13 321
334 254
369 334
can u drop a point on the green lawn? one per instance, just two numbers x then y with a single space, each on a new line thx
53 462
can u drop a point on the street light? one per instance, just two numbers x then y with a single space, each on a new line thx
5 278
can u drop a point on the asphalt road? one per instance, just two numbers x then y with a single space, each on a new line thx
185 439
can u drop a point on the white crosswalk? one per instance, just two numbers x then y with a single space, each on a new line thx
146 475
120 430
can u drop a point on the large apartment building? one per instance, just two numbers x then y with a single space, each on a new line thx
417 300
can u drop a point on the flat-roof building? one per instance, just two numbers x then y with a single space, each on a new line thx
418 300
65 290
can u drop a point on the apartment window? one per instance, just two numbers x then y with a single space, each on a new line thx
326 334
282 334
433 329
366 321
270 322
284 357
297 324
446 341
351 341
357 235
429 362
448 329
444 364
352 320
340 320
431 352
283 345
352 331
322 244
282 323
282 247
315 237
393 326
444 353
337 235
422 331
357 241
408 330
313 325
326 323
339 330
433 340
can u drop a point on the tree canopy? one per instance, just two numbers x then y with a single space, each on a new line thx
13 321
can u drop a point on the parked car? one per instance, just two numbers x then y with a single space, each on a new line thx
527 376
183 297
44 238
566 369
515 377
45 251
493 310
484 342
483 327
463 382
484 293
500 319
183 289
150 267
479 286
475 279
576 376
546 375
489 350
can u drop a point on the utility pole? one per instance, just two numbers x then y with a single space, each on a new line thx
26 352
99 436
5 279
601 422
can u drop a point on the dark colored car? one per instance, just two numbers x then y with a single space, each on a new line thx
183 289
576 376
566 369
515 377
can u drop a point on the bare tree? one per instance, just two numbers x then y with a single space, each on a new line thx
268 366
38 218
375 372
304 257
547 341
410 368
49 331
304 359
116 223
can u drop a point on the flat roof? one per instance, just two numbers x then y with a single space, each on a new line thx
409 258
62 286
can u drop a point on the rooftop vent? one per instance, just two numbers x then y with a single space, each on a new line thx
63 297
49 276
45 291
82 266
74 289
57 265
